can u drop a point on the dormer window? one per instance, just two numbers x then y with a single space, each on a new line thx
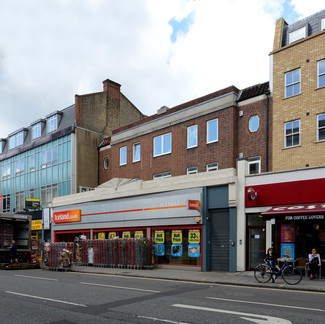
53 121
297 34
37 128
17 139
322 24
2 145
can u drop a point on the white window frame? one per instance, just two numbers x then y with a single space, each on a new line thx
162 175
123 150
297 34
192 170
189 133
319 128
106 162
36 131
322 24
320 74
135 159
254 160
163 137
52 123
212 167
16 140
12 142
20 201
209 122
291 135
258 123
286 86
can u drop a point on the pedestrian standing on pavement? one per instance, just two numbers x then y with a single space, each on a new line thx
270 259
314 263
13 252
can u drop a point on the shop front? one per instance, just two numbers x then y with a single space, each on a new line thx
286 211
174 219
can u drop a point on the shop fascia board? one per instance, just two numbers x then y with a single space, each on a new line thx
139 187
199 110
311 173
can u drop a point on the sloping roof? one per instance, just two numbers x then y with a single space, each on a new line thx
253 91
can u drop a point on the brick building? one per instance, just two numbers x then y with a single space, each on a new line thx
206 134
299 93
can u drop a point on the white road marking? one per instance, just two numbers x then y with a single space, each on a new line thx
50 279
44 298
160 320
266 304
119 287
261 319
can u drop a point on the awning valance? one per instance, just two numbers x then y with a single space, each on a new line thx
301 209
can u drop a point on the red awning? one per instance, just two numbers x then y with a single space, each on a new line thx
301 209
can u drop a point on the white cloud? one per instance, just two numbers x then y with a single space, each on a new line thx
306 8
51 50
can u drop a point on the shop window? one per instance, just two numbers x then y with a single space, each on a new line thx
292 83
292 133
178 246
321 127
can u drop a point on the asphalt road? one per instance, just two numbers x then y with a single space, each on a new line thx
36 296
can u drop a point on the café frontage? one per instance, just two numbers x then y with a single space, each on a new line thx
285 210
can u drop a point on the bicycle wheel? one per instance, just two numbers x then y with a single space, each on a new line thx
262 273
291 275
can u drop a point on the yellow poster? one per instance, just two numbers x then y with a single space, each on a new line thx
126 234
101 236
194 236
159 236
177 236
138 234
36 225
112 235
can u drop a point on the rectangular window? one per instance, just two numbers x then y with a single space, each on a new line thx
12 142
192 136
292 83
254 165
123 155
20 201
292 133
136 152
16 140
19 166
212 130
322 25
6 204
212 166
321 73
321 127
162 175
36 131
297 34
192 170
162 144
52 123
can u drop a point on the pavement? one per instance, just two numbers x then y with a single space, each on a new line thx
244 278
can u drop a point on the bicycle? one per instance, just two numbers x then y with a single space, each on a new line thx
290 274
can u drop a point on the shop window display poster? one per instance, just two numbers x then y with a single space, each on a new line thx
194 250
287 233
177 250
288 249
159 249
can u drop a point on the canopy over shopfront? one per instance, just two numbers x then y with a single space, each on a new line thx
301 209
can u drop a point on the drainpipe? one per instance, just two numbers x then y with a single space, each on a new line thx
267 93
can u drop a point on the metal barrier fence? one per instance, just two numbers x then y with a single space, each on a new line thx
115 253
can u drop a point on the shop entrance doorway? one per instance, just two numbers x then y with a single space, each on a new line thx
256 246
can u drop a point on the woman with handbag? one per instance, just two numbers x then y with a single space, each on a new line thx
314 263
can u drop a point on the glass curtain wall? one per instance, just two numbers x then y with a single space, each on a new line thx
43 172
